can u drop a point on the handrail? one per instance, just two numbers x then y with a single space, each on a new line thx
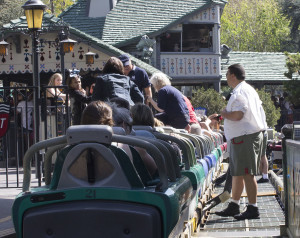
30 153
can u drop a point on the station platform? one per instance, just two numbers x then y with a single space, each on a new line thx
269 224
9 189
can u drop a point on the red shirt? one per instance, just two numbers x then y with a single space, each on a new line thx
193 117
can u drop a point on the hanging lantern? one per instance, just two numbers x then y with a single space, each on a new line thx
34 11
90 58
68 45
3 48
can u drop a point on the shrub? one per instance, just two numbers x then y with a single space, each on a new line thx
209 99
272 113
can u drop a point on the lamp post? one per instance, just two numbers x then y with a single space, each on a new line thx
34 11
3 48
90 58
66 46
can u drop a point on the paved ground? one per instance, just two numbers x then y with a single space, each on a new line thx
7 196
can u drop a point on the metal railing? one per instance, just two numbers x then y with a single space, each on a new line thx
286 118
54 120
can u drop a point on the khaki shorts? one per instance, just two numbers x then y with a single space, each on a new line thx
245 154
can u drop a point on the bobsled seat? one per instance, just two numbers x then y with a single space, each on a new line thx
97 192
92 219
94 165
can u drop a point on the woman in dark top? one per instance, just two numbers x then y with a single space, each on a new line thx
114 84
170 104
78 98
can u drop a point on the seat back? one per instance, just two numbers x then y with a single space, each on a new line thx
92 165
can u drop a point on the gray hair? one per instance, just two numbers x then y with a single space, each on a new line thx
159 80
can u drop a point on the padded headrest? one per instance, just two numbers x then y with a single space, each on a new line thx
119 130
144 133
89 133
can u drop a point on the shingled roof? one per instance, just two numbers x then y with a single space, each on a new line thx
131 19
259 66
77 16
50 22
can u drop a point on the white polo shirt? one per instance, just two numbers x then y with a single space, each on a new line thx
244 98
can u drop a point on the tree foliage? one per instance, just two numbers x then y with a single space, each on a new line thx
272 113
214 103
291 8
254 25
10 9
56 7
292 87
209 99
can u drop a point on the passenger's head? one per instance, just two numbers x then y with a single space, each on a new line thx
159 80
126 63
120 102
55 80
158 122
92 88
142 115
97 113
122 118
237 70
113 66
74 82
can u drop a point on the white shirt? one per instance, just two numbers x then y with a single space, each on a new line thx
244 98
22 108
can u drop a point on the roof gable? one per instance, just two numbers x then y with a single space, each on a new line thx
134 18
259 66
77 17
50 21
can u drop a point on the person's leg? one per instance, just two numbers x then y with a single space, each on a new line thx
251 188
252 209
237 187
264 170
264 162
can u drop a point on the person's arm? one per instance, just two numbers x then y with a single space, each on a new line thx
101 90
154 104
148 91
50 93
233 116
62 95
79 96
135 93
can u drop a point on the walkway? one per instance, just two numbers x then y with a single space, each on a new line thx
7 196
271 217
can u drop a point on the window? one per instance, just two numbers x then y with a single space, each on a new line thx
170 42
195 38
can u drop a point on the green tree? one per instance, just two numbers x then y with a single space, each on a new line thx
209 99
291 8
214 103
10 9
56 7
272 113
254 25
292 87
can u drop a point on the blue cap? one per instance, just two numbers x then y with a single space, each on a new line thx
125 59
